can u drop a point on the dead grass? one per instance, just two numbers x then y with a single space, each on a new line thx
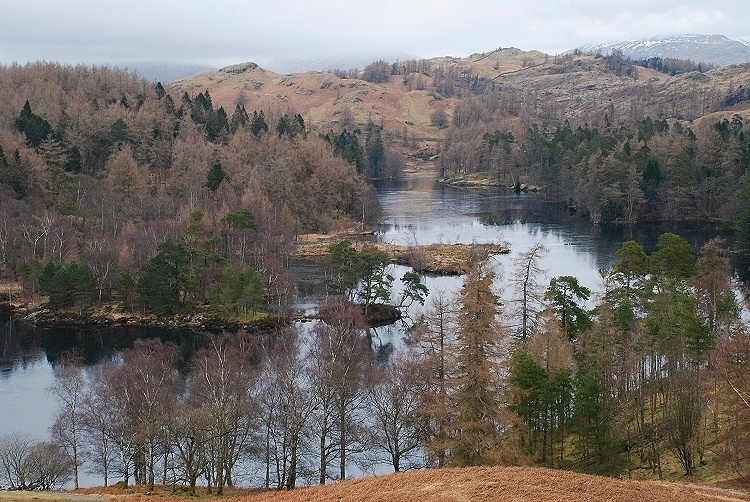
486 484
497 484
438 259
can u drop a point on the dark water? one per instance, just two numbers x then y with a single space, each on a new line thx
416 211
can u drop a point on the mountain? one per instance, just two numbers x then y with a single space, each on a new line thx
715 49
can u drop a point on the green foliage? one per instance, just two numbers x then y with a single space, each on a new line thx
675 327
239 118
363 275
414 289
290 126
14 174
236 294
346 145
345 262
565 295
165 280
632 263
595 444
74 164
118 133
215 176
35 128
499 138
375 282
375 151
258 124
743 220
673 258
243 219
527 400
214 121
652 178
67 285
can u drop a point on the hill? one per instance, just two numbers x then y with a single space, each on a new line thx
528 85
491 484
714 49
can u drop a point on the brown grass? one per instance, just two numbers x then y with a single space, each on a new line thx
486 484
439 259
497 484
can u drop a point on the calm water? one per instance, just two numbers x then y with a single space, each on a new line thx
417 210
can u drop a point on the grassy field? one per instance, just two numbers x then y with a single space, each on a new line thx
487 484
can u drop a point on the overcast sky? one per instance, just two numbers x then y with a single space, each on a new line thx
218 33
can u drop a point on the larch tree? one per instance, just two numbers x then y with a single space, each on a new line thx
478 427
435 336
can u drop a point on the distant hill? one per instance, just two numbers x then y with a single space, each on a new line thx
405 105
325 63
166 72
715 49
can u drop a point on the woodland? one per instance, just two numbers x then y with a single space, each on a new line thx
113 191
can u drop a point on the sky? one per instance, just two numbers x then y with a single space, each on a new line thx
217 33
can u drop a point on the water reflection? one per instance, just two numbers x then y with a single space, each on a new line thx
417 210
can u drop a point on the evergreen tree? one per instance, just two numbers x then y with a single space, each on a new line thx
239 118
673 257
215 176
565 295
652 178
375 152
35 128
118 133
165 279
14 174
74 162
258 123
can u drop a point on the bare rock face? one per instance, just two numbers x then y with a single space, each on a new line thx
239 68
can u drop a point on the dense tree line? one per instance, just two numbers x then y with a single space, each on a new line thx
112 188
655 370
619 149
652 170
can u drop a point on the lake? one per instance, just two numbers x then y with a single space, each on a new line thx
416 210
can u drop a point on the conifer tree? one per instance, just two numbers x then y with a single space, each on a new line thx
477 423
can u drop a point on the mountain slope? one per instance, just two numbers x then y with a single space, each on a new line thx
715 49
579 88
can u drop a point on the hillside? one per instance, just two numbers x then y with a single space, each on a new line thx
488 484
531 85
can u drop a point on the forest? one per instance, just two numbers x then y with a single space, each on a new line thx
617 149
115 191
111 190
650 380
